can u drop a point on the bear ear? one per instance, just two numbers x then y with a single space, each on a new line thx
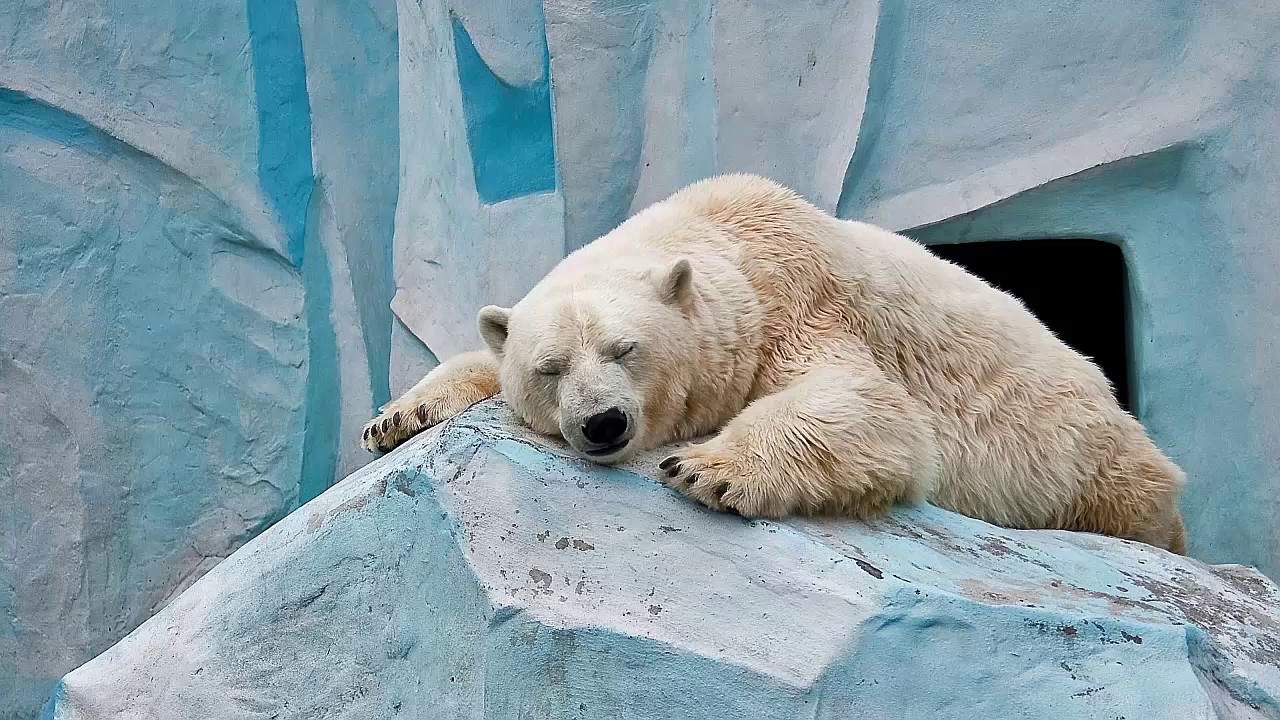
493 322
675 282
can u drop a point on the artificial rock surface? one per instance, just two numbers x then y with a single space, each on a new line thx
477 572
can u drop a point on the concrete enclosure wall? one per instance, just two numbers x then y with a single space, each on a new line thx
230 230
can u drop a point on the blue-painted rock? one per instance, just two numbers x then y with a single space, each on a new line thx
479 572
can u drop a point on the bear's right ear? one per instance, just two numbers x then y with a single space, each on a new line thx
493 322
675 282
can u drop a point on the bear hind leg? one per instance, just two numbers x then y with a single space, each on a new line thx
1133 495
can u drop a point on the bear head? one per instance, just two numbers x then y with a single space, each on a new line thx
598 358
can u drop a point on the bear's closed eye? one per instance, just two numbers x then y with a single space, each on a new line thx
549 368
622 350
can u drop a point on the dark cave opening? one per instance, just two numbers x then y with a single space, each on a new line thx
1077 287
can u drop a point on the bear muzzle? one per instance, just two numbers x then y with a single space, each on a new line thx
606 433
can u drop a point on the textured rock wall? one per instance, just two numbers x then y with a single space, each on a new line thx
229 231
196 211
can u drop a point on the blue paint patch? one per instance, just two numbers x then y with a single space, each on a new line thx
56 698
284 114
285 172
884 61
22 112
352 56
324 387
509 128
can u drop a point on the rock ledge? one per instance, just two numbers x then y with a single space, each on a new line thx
478 572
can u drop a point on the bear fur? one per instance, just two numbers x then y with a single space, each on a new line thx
841 367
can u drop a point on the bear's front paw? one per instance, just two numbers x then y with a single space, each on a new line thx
398 422
723 480
449 389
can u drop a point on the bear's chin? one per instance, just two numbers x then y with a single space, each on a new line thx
611 455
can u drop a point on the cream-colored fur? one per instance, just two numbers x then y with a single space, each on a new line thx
843 368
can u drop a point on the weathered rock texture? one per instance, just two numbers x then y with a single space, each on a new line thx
478 573
230 229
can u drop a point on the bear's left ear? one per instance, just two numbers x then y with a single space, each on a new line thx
493 321
675 282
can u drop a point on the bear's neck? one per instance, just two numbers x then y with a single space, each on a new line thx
728 330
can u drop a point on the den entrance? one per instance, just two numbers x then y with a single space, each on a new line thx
1079 288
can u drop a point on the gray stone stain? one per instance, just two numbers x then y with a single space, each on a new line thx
541 580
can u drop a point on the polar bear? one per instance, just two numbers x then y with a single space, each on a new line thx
838 368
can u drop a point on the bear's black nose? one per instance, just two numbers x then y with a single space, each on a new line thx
605 428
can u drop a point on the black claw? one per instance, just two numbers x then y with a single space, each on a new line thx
366 434
718 491
422 414
665 464
386 424
395 418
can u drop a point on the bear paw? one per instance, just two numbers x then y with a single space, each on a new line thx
445 392
415 412
721 481
398 422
